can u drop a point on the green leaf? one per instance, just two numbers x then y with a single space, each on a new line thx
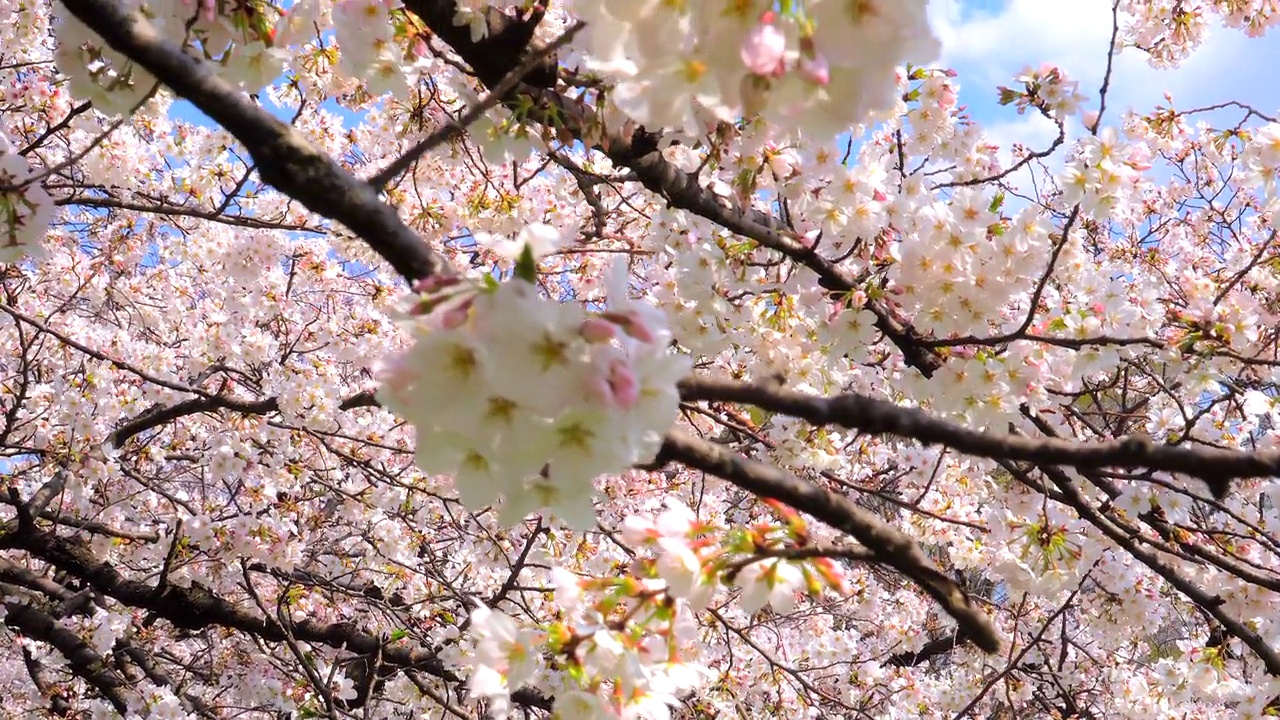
526 266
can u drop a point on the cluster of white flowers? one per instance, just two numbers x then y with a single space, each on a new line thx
826 63
25 208
629 673
1046 88
523 397
367 35
240 38
1105 173
689 567
628 647
1260 160
680 65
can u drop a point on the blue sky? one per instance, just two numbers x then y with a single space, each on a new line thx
989 41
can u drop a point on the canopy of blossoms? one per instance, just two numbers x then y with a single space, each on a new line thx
626 359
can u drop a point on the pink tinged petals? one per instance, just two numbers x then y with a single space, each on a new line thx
679 567
622 384
636 530
597 389
598 330
631 324
455 317
434 283
636 328
763 49
568 593
815 69
676 521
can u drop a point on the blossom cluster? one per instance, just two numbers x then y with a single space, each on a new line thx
225 354
680 65
819 60
373 35
1047 88
529 398
1260 160
237 38
1106 171
25 207
627 647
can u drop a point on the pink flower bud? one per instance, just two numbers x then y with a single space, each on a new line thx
762 50
454 317
615 387
598 390
623 384
632 325
597 330
815 69
433 283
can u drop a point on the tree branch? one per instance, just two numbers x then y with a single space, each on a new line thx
639 152
284 157
82 659
889 545
1216 467
197 608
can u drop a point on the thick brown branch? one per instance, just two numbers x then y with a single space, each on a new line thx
82 659
158 675
931 649
501 50
166 208
451 127
36 670
1216 467
161 414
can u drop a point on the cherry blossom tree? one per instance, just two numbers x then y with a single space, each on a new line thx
625 359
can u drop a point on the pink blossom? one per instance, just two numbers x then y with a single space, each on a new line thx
763 49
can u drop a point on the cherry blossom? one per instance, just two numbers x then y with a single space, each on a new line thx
25 206
723 365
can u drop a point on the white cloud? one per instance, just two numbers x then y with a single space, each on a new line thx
988 46
1032 130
